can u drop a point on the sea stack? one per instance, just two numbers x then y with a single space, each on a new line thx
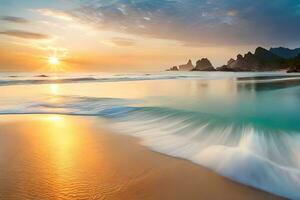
174 68
186 67
203 65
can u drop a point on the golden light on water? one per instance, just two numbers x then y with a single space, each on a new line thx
55 118
54 89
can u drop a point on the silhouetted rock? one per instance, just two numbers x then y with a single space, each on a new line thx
174 68
224 68
42 76
261 60
293 70
204 65
285 52
294 65
186 67
231 60
239 57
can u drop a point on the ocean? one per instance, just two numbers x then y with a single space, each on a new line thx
243 126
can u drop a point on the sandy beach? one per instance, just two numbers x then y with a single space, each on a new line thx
64 157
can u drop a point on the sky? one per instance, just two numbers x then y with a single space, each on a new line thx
139 35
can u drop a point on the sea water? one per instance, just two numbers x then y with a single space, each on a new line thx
243 126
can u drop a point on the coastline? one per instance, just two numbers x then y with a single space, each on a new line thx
71 157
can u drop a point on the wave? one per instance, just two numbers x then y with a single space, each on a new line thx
263 157
51 80
45 81
21 79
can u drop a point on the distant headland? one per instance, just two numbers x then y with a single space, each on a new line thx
274 59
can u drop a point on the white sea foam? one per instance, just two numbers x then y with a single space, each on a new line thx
245 154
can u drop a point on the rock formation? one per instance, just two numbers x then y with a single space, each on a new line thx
174 68
293 70
203 65
186 67
261 60
231 60
224 68
294 65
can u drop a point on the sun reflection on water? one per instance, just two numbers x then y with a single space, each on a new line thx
54 89
55 118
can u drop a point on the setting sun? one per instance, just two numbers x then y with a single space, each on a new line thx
53 60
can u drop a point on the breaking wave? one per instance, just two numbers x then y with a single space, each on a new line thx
242 150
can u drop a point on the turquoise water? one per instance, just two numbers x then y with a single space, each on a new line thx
244 126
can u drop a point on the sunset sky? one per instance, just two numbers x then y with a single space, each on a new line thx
139 35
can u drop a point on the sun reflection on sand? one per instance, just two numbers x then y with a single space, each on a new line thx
62 140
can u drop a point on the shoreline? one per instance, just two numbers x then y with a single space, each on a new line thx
72 157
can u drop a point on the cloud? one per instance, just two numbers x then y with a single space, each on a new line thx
123 42
12 19
25 34
198 22
54 13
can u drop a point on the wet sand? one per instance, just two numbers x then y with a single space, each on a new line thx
63 157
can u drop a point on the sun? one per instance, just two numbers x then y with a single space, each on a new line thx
53 60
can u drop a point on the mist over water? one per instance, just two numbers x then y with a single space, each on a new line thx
244 126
